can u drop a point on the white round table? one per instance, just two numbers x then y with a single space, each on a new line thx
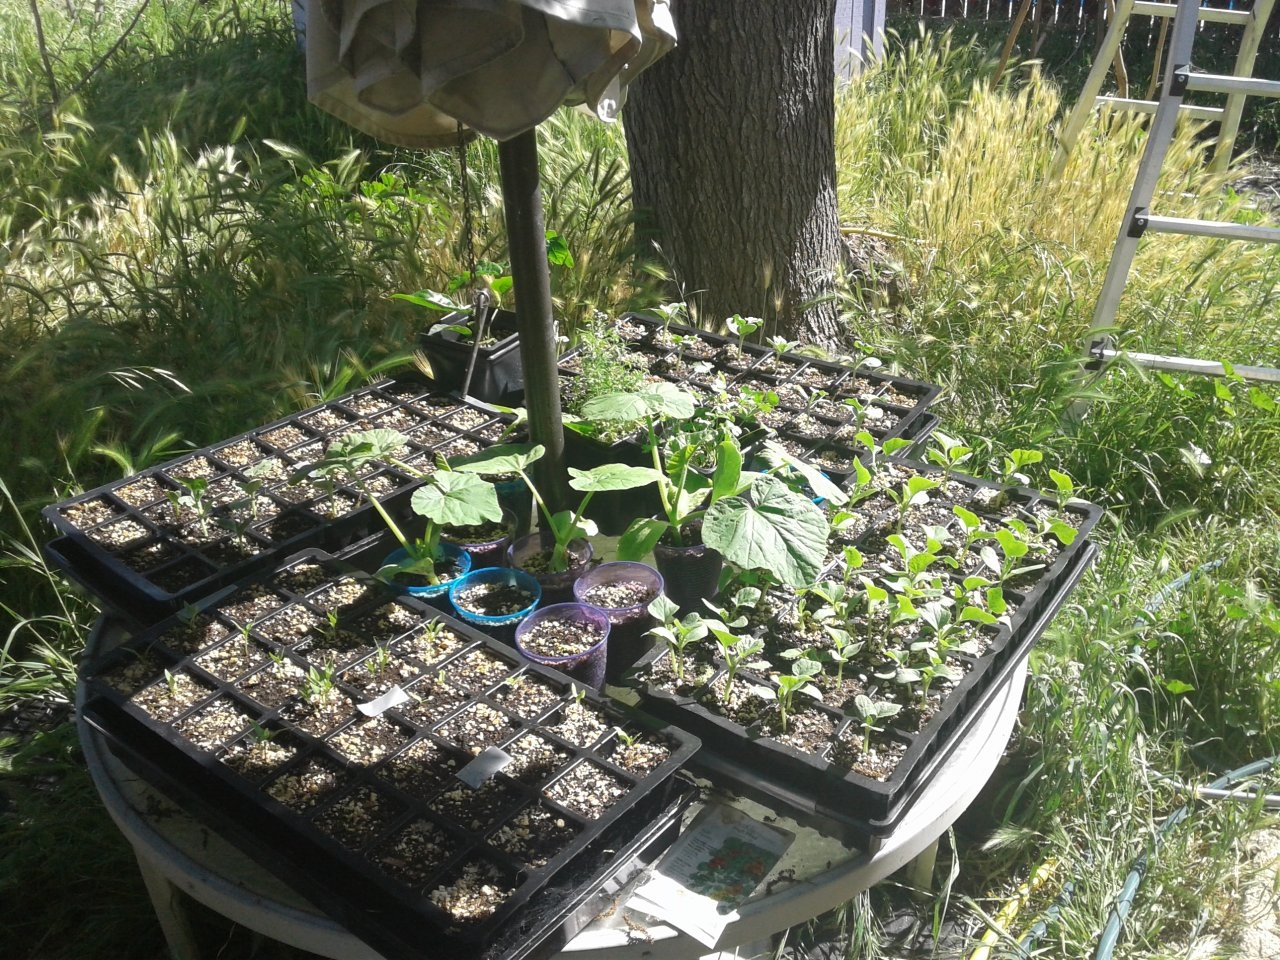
176 853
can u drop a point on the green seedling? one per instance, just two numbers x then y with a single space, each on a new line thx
934 669
913 493
1005 564
1013 467
743 327
192 498
677 634
318 683
802 674
899 669
872 714
627 739
172 682
948 452
735 651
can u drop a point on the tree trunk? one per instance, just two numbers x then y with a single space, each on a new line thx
732 149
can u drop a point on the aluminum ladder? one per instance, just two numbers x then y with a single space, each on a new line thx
1252 21
1179 79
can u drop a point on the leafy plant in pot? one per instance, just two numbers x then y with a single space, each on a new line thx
424 565
475 345
558 553
752 520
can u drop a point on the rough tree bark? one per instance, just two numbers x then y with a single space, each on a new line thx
732 149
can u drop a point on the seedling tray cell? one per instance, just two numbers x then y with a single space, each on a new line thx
377 807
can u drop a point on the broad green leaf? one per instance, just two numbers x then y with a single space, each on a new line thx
819 482
500 459
771 528
457 500
639 539
501 286
558 251
654 399
370 445
664 608
1178 686
975 615
611 476
728 476
1064 531
431 300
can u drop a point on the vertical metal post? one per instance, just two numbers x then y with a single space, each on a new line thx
531 281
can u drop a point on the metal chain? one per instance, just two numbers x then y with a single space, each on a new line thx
468 226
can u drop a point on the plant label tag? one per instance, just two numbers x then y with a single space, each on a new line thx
483 767
392 698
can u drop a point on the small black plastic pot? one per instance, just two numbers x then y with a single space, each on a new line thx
692 574
556 587
498 376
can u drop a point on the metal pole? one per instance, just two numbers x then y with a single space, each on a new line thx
531 280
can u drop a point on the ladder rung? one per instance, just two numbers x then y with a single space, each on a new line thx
1223 229
1226 83
1207 368
1239 17
1149 106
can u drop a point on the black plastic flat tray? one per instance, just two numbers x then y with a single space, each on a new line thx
160 570
913 396
845 803
302 844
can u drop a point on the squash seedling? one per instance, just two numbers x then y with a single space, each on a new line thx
872 714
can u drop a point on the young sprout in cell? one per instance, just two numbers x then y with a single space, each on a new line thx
935 668
843 649
735 651
678 634
910 572
1005 565
951 630
192 498
803 671
913 493
318 683
948 452
1013 467
782 344
898 669
872 714
743 327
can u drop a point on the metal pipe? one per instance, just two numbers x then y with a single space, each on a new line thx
1207 368
531 281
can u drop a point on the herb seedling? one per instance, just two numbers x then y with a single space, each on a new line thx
948 452
172 682
913 493
318 683
734 650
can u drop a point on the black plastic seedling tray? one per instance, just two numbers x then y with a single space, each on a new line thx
908 398
831 797
368 817
146 555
